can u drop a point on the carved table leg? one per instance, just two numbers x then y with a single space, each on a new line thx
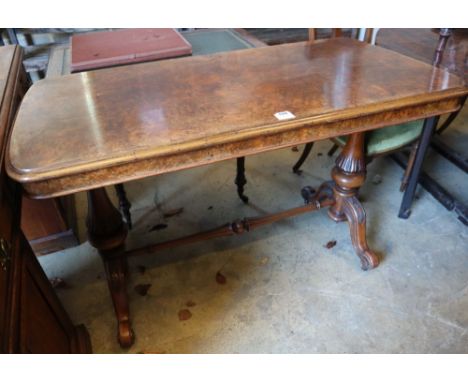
240 179
107 233
348 175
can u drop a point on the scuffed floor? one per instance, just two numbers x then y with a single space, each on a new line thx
284 291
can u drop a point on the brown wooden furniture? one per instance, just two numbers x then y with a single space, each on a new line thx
125 123
50 225
313 36
114 48
395 138
454 61
32 319
104 49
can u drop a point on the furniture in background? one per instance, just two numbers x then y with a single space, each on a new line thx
393 138
32 319
210 41
276 36
378 142
11 35
417 156
49 225
36 43
97 50
422 45
230 116
447 48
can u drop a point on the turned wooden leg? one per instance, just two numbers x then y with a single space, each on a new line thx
107 233
240 179
307 149
348 175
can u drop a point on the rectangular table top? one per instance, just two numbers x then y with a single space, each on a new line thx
91 129
125 46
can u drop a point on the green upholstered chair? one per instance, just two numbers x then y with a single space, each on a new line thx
390 138
378 142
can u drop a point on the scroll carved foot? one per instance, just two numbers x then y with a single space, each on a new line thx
348 175
356 217
116 270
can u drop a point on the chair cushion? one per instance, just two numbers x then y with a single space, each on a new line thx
215 41
390 138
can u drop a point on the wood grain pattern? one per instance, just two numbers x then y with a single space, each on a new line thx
85 131
49 225
120 124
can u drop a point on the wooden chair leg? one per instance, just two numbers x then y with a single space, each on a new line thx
241 181
424 141
124 204
409 167
332 150
303 157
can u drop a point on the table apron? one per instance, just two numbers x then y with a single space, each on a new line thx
142 168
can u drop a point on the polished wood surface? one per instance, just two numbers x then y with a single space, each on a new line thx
50 225
85 131
88 130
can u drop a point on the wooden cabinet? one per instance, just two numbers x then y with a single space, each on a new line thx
49 224
32 319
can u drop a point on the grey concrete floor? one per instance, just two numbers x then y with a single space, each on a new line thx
284 292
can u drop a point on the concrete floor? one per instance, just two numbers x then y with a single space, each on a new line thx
284 292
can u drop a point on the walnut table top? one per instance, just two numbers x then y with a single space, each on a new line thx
88 130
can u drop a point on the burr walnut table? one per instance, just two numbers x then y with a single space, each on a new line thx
89 130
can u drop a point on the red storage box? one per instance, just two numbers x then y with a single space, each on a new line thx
125 46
